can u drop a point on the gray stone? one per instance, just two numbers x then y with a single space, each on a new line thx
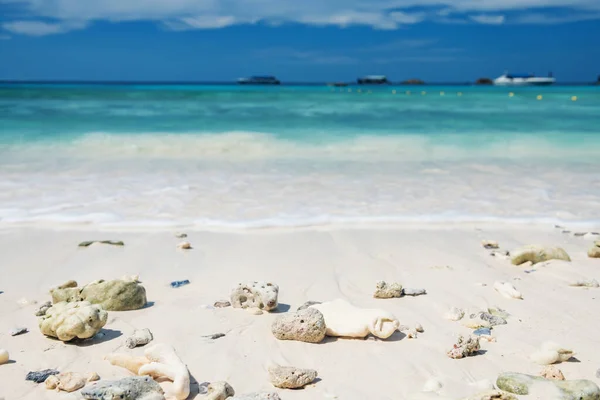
536 254
140 337
305 326
261 295
307 304
257 396
570 390
18 331
291 377
215 391
413 292
132 388
40 376
215 336
384 290
494 320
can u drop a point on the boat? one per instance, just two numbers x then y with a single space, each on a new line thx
259 80
524 80
373 80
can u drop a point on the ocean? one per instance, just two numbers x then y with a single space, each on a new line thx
220 157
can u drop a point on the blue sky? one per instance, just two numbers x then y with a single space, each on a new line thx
306 40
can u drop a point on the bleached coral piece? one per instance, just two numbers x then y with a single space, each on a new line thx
261 295
67 321
507 290
551 353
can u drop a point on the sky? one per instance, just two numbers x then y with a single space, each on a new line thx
297 40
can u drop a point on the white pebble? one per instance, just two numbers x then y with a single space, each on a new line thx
419 328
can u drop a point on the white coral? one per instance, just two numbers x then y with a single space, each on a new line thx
67 321
507 290
551 353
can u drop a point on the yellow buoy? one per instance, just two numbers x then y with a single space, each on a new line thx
511 94
423 93
442 93
539 97
574 98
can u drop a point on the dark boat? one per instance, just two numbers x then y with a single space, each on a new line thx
373 80
259 80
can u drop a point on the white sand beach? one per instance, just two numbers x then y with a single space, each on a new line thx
319 264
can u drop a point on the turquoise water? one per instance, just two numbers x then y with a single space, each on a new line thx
296 155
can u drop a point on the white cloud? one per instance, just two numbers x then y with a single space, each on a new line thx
39 28
488 19
214 14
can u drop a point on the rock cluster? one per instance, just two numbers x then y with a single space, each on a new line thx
67 321
261 295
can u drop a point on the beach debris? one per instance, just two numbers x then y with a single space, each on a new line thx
43 308
184 246
455 314
590 283
65 381
306 325
551 353
111 242
115 295
176 284
538 253
216 391
482 332
257 396
522 384
67 321
464 347
161 362
384 290
93 377
180 235
432 385
18 331
493 395
507 290
346 320
291 377
490 244
4 356
40 376
254 311
551 372
307 304
413 292
222 304
131 388
594 251
140 337
255 294
419 328
494 320
215 336
411 334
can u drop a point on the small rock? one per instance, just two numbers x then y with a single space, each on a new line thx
522 384
40 376
384 290
455 314
66 381
261 295
4 357
305 326
464 347
492 319
215 336
490 244
216 391
254 311
180 235
482 331
43 308
551 372
291 377
411 334
594 252
176 284
132 388
222 304
184 246
413 292
93 376
419 328
307 304
18 331
140 337
257 396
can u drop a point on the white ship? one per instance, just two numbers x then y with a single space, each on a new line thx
524 80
